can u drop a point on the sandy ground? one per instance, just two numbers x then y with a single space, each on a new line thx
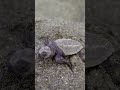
73 10
48 74
59 19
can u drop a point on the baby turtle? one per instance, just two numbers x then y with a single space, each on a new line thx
98 49
22 62
59 49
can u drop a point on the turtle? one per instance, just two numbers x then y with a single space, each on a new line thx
59 49
98 49
21 62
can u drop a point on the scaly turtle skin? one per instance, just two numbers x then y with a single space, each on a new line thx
59 49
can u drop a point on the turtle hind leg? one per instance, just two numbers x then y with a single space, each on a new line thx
81 54
61 60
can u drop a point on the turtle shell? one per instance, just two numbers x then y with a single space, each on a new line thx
69 46
98 49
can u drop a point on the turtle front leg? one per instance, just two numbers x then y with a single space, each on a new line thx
60 59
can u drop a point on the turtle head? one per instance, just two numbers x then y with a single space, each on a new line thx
45 52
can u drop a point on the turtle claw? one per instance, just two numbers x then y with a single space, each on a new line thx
69 65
